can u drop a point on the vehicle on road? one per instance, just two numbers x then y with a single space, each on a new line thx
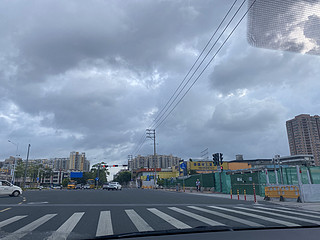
87 186
56 187
7 188
79 186
91 183
72 185
105 186
114 186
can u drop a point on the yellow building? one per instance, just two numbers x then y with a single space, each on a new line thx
162 175
238 165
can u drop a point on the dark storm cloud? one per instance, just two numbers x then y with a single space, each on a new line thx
91 75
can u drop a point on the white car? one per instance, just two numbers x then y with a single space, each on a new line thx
7 188
114 186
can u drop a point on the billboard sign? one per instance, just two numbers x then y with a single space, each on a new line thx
76 174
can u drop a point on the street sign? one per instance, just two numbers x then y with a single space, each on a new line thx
97 178
37 178
183 166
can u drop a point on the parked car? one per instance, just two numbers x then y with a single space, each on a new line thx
87 186
105 186
7 188
79 186
114 186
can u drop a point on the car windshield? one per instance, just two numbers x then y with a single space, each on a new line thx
158 117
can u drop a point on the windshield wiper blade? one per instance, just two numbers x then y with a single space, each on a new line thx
169 232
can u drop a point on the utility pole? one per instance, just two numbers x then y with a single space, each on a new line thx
25 170
205 155
14 162
275 169
151 133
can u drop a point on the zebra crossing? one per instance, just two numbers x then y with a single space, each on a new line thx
177 217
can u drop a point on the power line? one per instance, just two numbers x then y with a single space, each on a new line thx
141 142
155 120
207 63
205 57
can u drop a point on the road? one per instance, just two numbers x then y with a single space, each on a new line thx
83 214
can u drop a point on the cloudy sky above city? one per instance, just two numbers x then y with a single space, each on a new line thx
90 76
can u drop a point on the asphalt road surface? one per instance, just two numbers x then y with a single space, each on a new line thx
86 214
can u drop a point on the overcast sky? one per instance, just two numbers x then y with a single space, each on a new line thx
90 76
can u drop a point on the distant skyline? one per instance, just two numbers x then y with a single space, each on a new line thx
95 83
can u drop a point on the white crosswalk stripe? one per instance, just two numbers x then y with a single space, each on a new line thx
236 219
138 221
292 212
29 227
66 228
105 224
281 215
174 222
197 217
301 210
285 223
11 220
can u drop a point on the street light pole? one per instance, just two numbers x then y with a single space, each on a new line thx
14 161
25 170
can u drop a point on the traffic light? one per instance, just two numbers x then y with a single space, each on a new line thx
114 165
221 169
221 158
215 159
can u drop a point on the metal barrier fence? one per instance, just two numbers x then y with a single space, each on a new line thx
237 181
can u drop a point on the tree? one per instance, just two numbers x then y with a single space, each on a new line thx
103 172
123 178
65 182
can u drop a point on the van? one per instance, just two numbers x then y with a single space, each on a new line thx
7 188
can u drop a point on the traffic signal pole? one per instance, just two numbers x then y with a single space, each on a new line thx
217 161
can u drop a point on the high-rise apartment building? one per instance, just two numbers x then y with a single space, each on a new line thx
61 164
160 161
304 136
78 161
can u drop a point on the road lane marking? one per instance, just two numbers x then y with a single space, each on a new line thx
300 210
291 212
197 217
285 223
281 215
138 221
105 224
65 229
236 219
174 222
29 228
11 220
6 209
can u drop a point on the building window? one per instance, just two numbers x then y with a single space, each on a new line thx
198 164
202 164
194 164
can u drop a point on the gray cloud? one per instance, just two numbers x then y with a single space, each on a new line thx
91 77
